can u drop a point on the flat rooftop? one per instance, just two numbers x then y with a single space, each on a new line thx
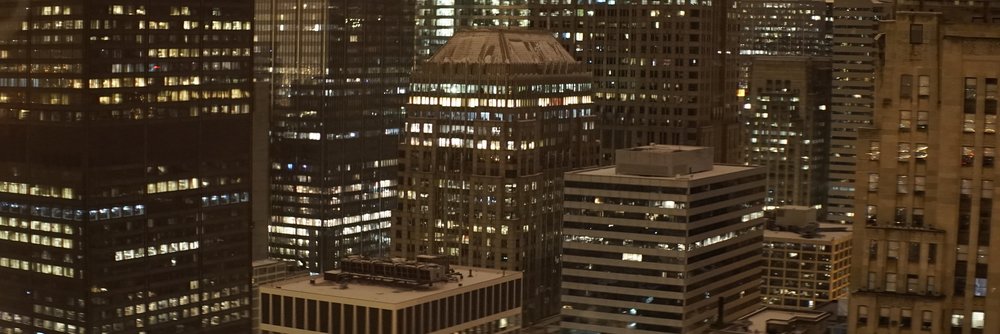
758 320
717 170
822 233
391 293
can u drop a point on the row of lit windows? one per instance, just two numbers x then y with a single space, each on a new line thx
36 190
454 88
473 143
499 103
36 239
371 216
47 269
174 185
36 225
166 248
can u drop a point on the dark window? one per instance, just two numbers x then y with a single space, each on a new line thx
386 322
310 315
359 318
916 34
300 313
287 306
324 317
906 86
265 308
348 317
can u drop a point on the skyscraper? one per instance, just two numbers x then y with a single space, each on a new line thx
336 72
664 71
124 178
788 124
855 23
660 241
924 241
494 119
784 27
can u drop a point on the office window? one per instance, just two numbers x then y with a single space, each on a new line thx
916 34
862 315
911 283
890 282
924 86
883 316
957 318
926 320
873 181
872 280
913 252
990 103
902 184
968 156
989 154
903 152
969 125
978 319
969 103
905 318
874 150
892 251
905 86
919 184
922 121
904 119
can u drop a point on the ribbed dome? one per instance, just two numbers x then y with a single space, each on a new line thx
502 46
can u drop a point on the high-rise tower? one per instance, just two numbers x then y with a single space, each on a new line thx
494 119
665 241
852 101
664 71
924 241
124 177
336 72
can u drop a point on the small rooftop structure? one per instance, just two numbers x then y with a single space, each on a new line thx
769 320
663 160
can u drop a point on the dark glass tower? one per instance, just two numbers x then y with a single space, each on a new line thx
336 72
125 166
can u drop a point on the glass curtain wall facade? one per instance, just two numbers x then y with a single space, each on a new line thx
336 74
124 177
494 119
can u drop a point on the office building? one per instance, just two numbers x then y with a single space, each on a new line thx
495 118
124 177
855 24
664 71
264 272
481 301
788 126
785 27
660 242
336 74
925 201
806 263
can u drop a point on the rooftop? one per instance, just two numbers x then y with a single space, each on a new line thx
369 291
758 320
826 232
717 170
502 46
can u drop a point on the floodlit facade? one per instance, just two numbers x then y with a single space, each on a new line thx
655 243
788 126
494 119
924 241
124 173
484 301
336 74
806 264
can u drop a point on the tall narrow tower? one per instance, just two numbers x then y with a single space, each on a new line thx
124 177
494 120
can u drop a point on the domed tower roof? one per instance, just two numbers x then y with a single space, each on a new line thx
502 46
